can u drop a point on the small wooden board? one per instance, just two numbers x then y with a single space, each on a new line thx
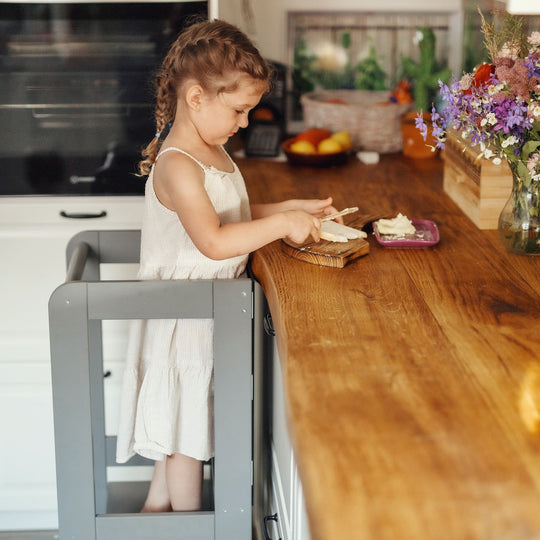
325 253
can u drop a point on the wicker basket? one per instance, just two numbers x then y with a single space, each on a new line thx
373 121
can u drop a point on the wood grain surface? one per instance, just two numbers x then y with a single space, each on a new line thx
412 376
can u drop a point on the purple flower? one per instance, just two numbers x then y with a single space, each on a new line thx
511 116
421 125
438 131
533 65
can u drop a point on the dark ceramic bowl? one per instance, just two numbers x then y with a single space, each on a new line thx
313 160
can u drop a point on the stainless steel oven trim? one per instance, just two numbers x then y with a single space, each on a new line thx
20 106
213 5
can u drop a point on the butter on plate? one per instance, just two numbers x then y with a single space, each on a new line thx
400 226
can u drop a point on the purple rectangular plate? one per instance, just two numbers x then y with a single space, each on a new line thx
426 234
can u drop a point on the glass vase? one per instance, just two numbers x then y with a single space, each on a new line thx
519 222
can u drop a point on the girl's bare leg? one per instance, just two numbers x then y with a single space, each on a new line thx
158 499
184 481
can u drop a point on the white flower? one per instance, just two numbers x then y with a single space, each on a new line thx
418 37
497 160
495 89
477 107
534 39
490 119
330 57
534 109
509 50
488 153
509 141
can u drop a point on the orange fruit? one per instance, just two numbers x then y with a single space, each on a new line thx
313 135
343 138
329 146
302 147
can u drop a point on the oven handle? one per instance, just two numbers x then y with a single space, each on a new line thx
76 215
75 115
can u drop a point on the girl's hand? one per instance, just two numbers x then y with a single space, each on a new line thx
318 207
301 225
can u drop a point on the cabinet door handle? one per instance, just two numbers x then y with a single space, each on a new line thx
266 519
268 325
75 215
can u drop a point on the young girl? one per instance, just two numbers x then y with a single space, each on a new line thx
198 224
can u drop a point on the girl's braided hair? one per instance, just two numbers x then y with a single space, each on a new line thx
207 52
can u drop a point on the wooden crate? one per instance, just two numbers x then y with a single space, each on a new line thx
478 186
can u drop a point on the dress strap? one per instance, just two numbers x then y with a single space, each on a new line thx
204 167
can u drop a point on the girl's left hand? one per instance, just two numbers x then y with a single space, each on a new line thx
319 207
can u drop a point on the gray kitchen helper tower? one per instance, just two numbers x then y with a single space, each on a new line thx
83 451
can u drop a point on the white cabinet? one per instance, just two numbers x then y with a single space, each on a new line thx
33 239
287 499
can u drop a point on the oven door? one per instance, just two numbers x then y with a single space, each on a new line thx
64 139
76 92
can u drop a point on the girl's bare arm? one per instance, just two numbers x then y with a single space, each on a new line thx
179 185
316 207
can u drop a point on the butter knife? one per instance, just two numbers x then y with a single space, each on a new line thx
344 212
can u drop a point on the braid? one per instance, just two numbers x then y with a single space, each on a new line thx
164 113
212 53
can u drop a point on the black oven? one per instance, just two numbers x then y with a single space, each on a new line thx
76 92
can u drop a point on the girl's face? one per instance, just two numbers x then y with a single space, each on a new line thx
220 117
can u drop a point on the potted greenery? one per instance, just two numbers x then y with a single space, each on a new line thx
369 73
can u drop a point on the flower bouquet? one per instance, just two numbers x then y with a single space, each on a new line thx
498 108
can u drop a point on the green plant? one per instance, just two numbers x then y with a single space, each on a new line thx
370 75
425 74
302 74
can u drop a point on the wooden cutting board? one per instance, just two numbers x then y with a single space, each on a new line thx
334 254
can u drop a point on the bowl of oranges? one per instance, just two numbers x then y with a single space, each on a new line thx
318 147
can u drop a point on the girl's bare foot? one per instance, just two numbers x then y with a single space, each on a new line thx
158 499
149 509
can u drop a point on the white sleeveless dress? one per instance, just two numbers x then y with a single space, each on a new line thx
167 397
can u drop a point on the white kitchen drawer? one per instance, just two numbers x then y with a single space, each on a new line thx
27 471
25 212
32 265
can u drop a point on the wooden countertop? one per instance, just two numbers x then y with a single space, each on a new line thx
412 376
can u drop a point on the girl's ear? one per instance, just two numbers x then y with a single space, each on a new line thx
194 96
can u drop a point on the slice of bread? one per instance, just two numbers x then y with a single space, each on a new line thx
335 232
